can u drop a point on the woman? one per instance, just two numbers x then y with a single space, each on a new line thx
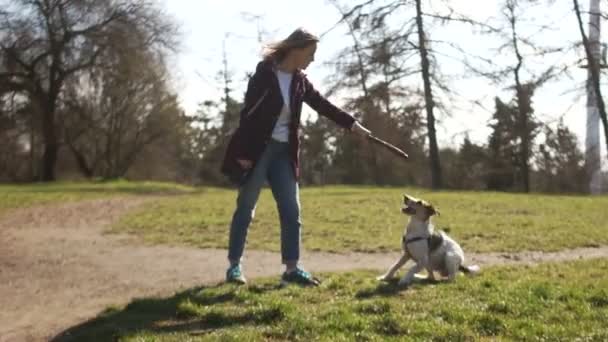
265 147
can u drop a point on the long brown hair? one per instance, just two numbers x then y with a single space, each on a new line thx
300 38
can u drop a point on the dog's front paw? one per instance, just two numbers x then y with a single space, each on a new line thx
384 277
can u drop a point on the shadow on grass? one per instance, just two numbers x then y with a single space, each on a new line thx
192 312
391 288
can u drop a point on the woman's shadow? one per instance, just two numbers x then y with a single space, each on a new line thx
167 315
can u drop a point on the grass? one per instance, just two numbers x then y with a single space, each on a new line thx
549 302
342 219
26 195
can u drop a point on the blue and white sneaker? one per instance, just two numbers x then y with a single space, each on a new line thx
235 275
300 277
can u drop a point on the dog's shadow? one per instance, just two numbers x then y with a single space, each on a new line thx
391 287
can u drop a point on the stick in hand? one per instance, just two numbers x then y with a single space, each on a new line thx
389 146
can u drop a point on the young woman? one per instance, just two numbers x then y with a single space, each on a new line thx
265 147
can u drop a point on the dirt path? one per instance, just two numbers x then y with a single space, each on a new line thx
58 269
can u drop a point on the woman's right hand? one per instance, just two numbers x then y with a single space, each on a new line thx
358 129
245 163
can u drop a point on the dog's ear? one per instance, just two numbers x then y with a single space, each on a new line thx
433 211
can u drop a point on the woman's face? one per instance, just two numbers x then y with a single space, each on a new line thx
304 56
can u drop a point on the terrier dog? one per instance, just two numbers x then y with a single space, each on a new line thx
430 250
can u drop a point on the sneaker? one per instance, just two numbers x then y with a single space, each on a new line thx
234 275
299 276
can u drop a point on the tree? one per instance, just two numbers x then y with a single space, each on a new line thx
372 74
523 81
414 58
560 162
215 139
13 128
197 140
429 101
316 151
45 42
120 114
466 167
502 160
117 107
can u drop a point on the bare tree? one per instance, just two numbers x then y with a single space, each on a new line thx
380 67
436 180
417 59
13 127
116 109
523 97
520 78
45 42
353 26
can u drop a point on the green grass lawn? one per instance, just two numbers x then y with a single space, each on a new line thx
342 219
550 302
20 196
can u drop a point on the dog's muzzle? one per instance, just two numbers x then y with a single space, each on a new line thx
408 210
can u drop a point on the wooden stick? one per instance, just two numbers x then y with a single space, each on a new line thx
389 146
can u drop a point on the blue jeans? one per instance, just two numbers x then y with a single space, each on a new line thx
275 167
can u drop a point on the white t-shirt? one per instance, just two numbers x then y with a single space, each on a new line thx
281 128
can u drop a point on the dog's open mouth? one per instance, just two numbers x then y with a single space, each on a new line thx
408 210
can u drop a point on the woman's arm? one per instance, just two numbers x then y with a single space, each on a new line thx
322 106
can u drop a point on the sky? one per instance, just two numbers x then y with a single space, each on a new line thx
208 25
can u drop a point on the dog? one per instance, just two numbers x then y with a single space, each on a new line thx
430 250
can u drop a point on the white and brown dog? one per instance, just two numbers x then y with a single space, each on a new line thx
430 250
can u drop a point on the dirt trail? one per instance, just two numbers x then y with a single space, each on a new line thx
57 268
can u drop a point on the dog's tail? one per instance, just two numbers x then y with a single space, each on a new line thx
470 270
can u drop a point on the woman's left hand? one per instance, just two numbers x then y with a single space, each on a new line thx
360 130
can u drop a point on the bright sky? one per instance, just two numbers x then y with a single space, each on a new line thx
208 23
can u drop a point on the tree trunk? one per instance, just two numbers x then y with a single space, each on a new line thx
51 146
81 160
522 125
524 148
436 181
594 69
593 162
34 176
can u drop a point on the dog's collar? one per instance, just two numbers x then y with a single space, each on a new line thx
414 239
434 240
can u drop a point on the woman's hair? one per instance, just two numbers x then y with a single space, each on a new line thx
300 38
